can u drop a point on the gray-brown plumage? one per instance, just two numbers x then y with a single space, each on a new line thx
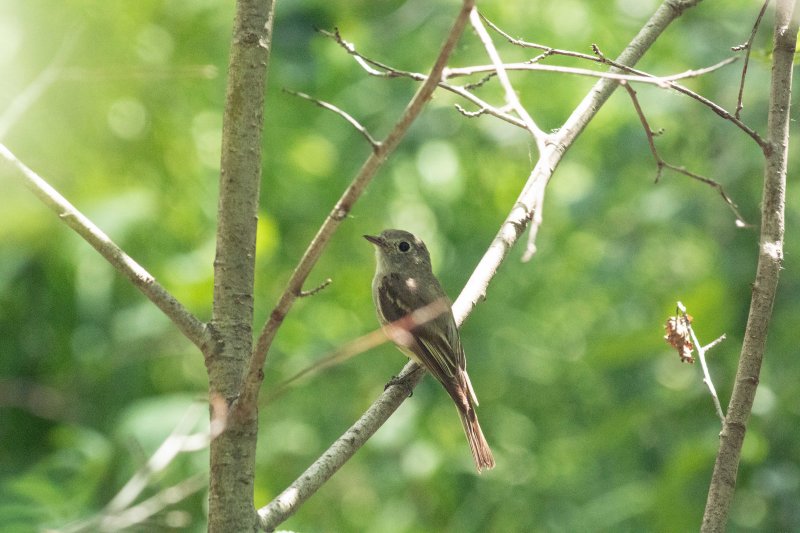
404 283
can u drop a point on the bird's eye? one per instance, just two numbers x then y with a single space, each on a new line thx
404 246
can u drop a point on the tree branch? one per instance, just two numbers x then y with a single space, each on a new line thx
642 77
661 164
382 70
190 326
716 108
530 202
286 503
770 259
511 96
348 117
248 398
748 47
233 454
680 334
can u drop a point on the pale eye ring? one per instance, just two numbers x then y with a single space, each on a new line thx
403 246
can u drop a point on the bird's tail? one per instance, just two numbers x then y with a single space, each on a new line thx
481 452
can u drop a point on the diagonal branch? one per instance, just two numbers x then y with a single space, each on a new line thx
664 82
189 325
511 96
527 210
347 116
382 70
342 208
286 503
748 47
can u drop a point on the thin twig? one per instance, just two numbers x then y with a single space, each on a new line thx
597 57
470 114
119 513
661 164
747 47
378 69
547 50
536 216
694 73
194 329
373 67
315 290
660 81
701 354
716 108
601 58
483 106
139 513
480 83
340 355
349 118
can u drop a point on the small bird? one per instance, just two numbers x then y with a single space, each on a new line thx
404 283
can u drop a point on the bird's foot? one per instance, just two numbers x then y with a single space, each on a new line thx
400 381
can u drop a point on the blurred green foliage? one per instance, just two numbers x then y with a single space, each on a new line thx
595 424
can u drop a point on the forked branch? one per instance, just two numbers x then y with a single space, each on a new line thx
248 398
518 219
661 164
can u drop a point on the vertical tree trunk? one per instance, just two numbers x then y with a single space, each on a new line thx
233 452
770 258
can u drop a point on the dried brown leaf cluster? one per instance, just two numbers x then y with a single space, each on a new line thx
679 336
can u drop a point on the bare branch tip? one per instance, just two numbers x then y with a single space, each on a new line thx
714 342
315 290
659 172
346 116
470 114
480 83
596 50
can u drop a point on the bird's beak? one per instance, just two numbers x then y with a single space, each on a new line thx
377 241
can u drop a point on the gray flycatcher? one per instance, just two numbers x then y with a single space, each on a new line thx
404 283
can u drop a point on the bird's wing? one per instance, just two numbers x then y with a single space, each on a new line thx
438 347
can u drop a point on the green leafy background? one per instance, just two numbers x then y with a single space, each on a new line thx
594 422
